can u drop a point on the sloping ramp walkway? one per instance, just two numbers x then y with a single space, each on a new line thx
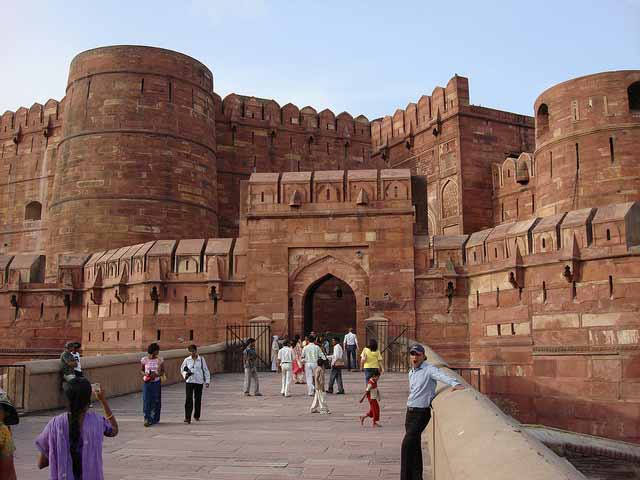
247 438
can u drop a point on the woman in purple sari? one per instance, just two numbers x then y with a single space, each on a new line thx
71 443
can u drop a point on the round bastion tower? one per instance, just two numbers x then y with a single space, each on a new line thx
587 137
137 159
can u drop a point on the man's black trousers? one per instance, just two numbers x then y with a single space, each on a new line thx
411 455
193 390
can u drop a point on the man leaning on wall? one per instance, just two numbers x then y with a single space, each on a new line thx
422 391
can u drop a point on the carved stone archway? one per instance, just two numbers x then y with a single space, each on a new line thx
304 277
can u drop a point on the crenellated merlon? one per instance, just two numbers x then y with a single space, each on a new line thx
236 108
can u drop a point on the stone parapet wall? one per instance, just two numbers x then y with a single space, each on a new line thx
118 374
465 423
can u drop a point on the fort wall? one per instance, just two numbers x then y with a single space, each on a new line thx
258 135
28 155
137 150
452 145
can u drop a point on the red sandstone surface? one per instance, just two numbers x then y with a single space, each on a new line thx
508 248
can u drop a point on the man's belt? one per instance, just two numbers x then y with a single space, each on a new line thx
417 409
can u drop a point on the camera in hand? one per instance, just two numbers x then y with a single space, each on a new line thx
189 372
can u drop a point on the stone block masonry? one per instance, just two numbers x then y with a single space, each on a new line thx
143 207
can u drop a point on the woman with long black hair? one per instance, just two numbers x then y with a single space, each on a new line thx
152 368
71 443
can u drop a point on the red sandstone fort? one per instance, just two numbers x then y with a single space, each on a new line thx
143 207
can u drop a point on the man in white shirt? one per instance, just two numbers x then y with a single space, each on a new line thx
76 354
337 363
285 362
195 372
310 355
351 346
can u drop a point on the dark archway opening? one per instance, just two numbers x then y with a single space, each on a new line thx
329 306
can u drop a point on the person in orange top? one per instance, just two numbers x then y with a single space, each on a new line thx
8 416
372 394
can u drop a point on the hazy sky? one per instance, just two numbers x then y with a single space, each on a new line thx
367 57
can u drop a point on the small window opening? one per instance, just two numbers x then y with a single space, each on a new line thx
542 119
187 265
499 329
610 286
611 152
109 307
89 336
158 334
608 234
477 298
577 157
633 92
574 290
366 301
328 194
33 211
544 292
395 192
544 243
136 311
41 311
513 329
497 296
185 305
474 256
262 197
190 334
170 91
495 252
551 164
142 86
133 336
117 335
103 336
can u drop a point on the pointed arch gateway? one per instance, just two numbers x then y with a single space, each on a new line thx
327 294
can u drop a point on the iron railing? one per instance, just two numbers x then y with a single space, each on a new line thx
393 343
12 381
236 341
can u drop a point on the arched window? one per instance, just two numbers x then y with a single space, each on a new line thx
542 119
33 211
633 92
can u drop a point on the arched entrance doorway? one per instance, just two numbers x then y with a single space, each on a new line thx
329 306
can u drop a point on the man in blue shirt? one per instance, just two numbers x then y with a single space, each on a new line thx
422 390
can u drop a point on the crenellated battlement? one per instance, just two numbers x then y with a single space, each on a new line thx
336 189
265 112
587 233
33 119
428 111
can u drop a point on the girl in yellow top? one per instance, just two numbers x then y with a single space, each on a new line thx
371 360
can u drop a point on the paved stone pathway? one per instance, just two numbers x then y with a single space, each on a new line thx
247 438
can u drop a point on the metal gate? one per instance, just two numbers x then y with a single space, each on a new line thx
236 341
12 380
393 342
